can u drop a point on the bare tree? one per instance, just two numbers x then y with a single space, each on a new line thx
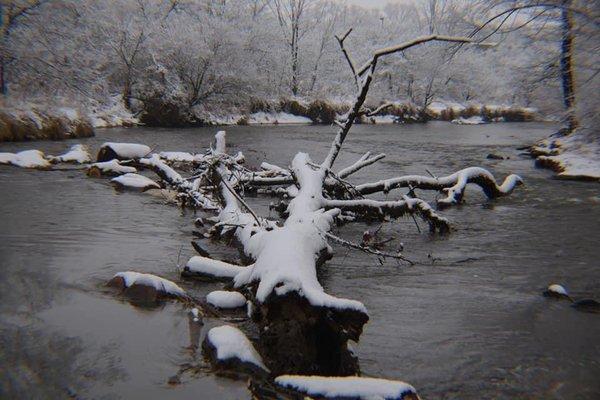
290 15
11 12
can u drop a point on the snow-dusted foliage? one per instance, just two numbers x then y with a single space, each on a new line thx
209 62
347 387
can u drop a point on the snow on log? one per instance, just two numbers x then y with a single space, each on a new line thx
173 178
111 168
395 209
78 154
220 142
177 156
452 185
27 159
298 320
122 151
348 387
204 267
135 181
6 158
229 348
362 162
226 299
146 288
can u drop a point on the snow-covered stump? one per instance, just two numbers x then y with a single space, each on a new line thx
302 328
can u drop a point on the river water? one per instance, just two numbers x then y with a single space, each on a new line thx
467 323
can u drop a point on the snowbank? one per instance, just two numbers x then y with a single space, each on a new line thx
351 387
231 345
32 122
572 157
225 299
111 114
203 266
476 120
263 118
135 181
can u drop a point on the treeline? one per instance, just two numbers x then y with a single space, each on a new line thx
175 62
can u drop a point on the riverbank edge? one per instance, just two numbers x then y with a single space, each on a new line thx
27 122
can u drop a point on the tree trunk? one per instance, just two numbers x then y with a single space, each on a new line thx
566 66
3 88
127 93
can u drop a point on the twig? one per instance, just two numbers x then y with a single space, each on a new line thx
367 250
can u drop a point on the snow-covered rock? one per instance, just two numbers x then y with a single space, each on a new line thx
30 159
209 268
135 181
226 299
231 348
77 154
476 120
573 157
348 387
146 287
112 167
557 291
122 151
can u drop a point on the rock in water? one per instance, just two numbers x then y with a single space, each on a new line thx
587 305
557 291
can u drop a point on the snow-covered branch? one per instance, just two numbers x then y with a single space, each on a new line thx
452 185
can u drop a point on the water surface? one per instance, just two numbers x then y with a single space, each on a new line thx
469 323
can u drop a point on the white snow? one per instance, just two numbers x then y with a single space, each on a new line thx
179 156
558 289
128 150
347 387
78 154
475 120
195 314
383 119
220 138
136 181
226 299
6 158
231 343
30 159
216 268
263 118
285 256
160 284
113 166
